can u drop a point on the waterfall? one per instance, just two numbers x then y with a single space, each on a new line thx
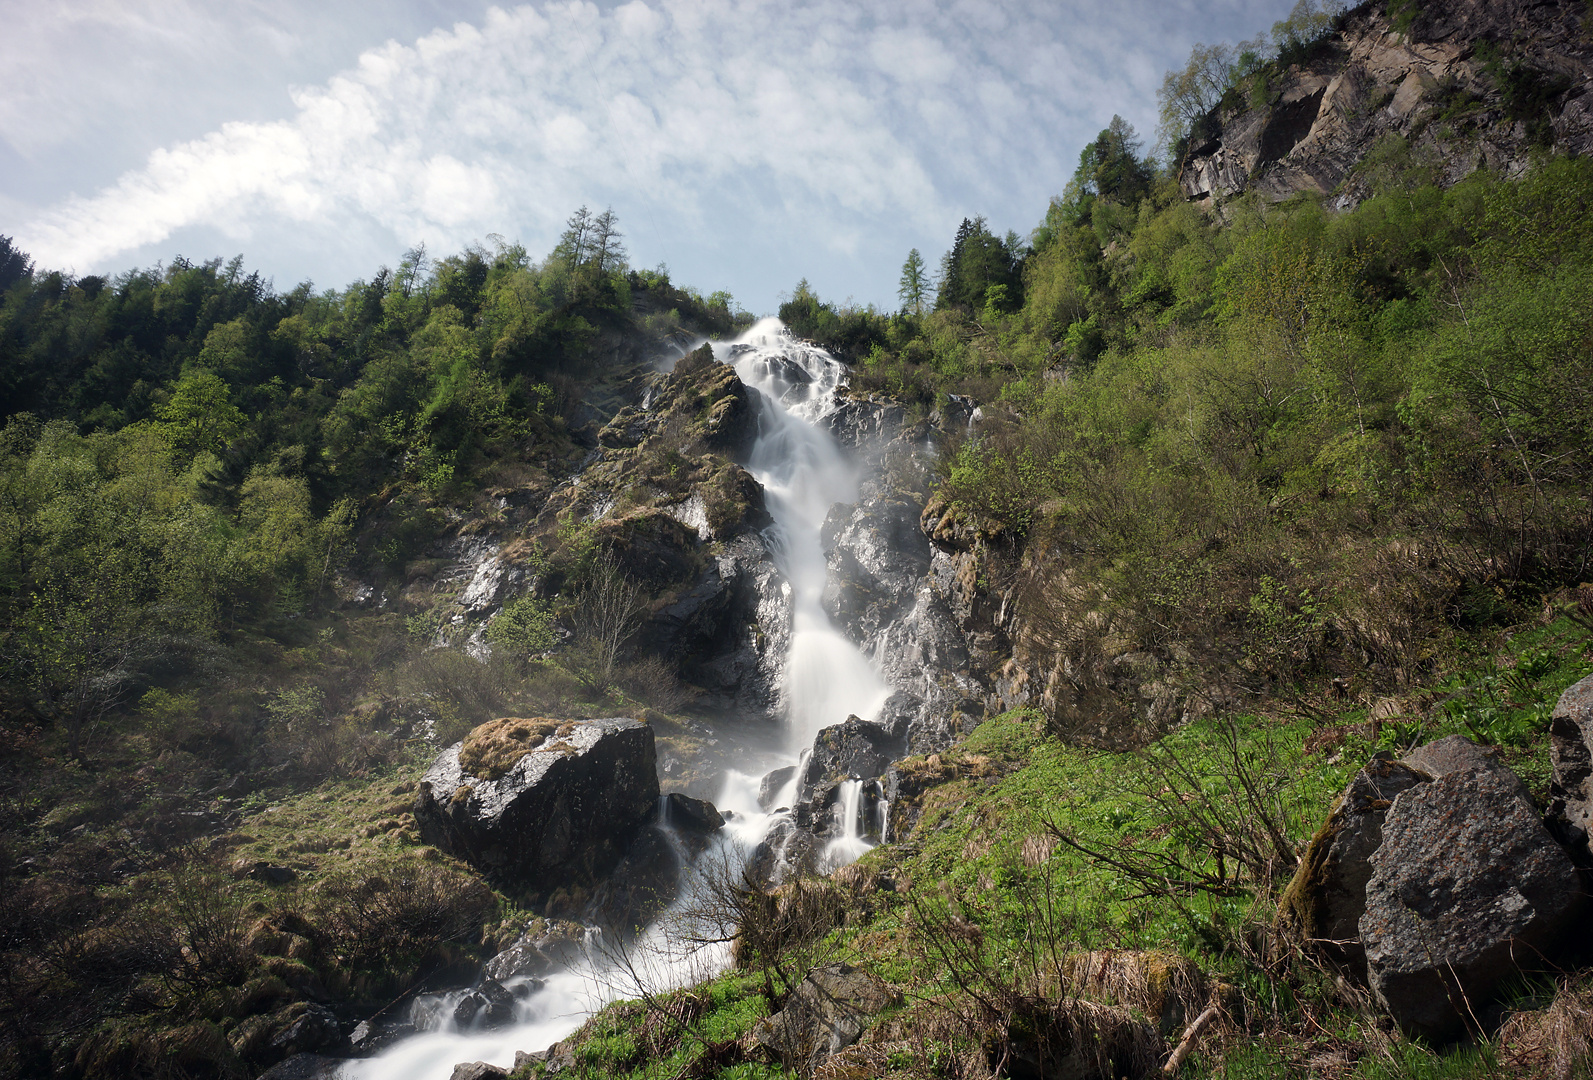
825 678
852 843
803 474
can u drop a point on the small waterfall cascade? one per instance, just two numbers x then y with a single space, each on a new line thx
849 815
825 679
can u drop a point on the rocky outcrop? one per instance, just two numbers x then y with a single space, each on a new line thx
562 812
1327 897
1458 754
1571 752
827 1013
1470 83
1467 890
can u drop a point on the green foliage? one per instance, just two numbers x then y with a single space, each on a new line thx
524 627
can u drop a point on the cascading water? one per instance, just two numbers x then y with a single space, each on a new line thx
803 474
825 679
852 843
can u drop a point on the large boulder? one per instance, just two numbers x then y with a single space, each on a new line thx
1467 890
1325 901
853 750
540 804
1571 788
826 1013
1456 753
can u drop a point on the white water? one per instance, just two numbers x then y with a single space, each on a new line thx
826 678
852 843
803 474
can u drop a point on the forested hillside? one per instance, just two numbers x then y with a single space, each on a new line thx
1194 501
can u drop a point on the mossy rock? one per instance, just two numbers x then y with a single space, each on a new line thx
492 749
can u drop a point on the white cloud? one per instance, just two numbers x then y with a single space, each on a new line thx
828 126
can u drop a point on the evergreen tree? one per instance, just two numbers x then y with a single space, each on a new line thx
914 285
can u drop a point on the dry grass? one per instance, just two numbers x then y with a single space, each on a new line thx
492 749
1554 1043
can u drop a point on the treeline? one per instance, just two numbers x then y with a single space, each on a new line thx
189 453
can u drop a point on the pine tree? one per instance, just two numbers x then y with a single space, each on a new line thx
914 286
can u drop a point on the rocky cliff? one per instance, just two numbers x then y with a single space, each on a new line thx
1467 84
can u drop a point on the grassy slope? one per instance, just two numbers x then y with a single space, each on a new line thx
984 850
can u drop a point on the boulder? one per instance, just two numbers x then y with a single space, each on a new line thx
853 750
826 1013
1571 787
1456 753
694 815
1467 889
489 1005
1325 901
560 811
550 945
478 1070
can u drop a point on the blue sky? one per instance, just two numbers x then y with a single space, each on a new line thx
746 144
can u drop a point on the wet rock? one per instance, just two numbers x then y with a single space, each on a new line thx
305 1067
827 1013
1571 787
727 634
854 750
773 783
786 851
478 1070
1327 897
696 815
489 1005
551 945
1468 889
563 813
1456 753
877 556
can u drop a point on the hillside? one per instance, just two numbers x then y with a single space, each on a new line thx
1030 640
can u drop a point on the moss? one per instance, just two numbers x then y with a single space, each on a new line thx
492 749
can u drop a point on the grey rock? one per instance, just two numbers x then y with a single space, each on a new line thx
643 884
1467 890
1368 84
305 1067
1456 753
489 1005
1571 786
785 851
854 750
1327 897
555 945
478 1070
827 1013
564 812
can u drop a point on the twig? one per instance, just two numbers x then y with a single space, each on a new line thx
1191 1036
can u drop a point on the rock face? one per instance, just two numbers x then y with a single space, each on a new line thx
1456 753
1571 789
1325 901
827 1013
1431 85
1467 889
563 813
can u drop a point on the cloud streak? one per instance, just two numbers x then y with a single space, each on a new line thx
824 126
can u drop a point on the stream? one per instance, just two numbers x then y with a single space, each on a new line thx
804 472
